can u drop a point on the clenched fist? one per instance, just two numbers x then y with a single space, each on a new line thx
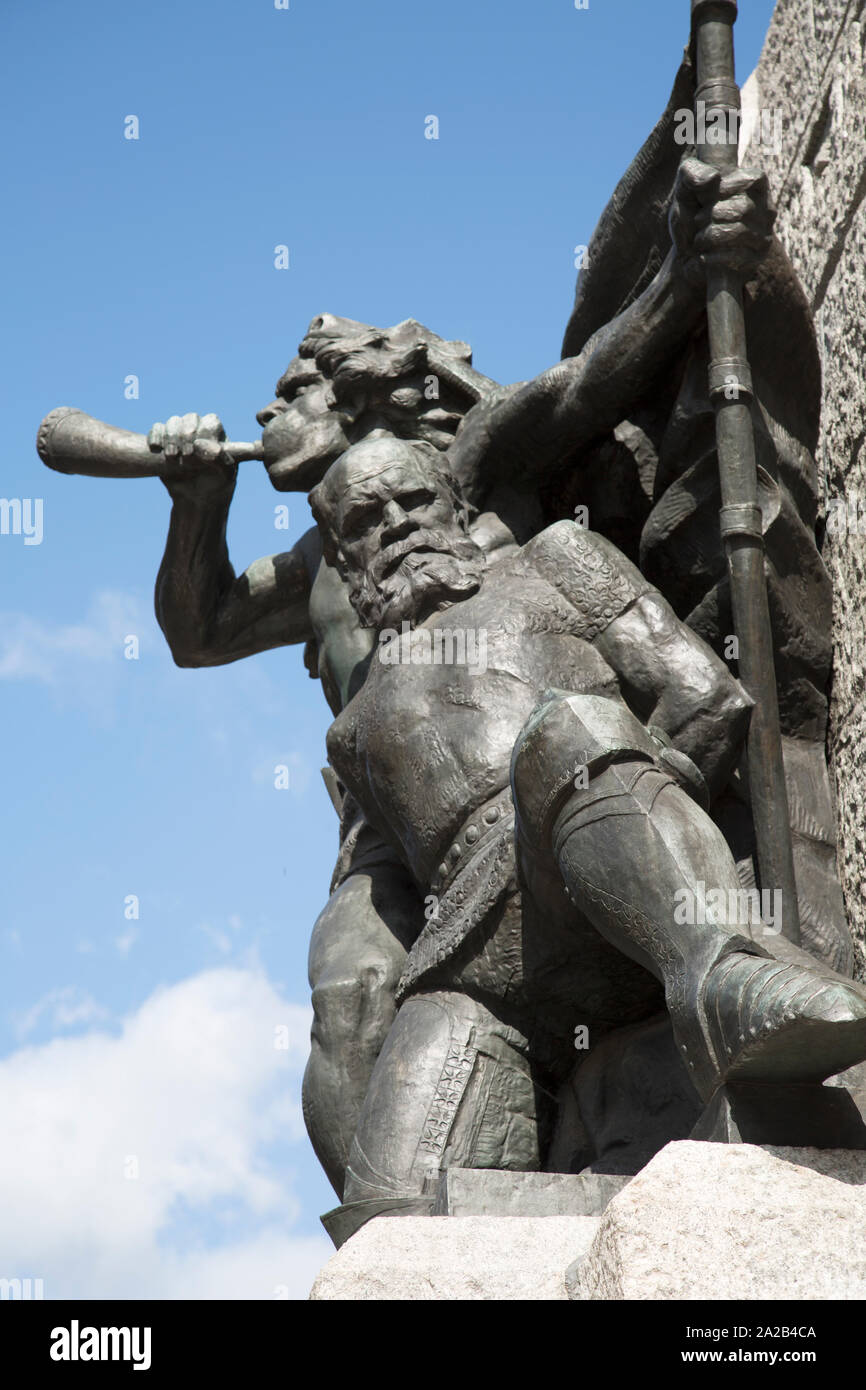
195 462
720 220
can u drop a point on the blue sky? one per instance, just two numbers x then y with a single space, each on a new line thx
156 1142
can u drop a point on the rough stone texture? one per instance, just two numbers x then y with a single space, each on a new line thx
502 1258
497 1192
733 1221
813 69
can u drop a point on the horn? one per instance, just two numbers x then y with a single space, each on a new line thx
70 441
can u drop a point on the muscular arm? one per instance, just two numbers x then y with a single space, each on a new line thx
670 677
211 616
538 427
667 674
535 429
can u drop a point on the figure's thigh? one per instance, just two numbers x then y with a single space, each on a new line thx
452 1086
357 952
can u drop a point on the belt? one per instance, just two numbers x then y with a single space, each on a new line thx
488 821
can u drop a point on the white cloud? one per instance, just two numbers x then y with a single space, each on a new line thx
68 1007
220 940
84 664
125 942
225 941
49 652
194 1097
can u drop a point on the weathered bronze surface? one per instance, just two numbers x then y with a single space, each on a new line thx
576 833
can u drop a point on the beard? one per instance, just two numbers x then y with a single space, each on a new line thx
423 574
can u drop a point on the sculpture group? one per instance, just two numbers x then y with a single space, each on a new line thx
502 975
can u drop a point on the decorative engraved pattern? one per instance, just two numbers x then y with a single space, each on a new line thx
466 904
456 1072
651 936
598 582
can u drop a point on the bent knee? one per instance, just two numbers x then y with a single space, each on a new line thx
566 742
358 1006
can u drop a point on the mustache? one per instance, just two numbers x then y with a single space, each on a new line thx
429 542
454 570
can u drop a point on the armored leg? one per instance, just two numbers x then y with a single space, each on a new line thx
637 854
452 1086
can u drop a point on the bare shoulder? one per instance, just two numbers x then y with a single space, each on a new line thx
588 570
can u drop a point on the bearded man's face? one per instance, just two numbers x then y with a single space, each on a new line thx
406 553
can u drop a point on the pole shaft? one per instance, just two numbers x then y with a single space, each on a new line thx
717 110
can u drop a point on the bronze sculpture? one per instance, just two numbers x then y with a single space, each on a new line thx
534 884
497 953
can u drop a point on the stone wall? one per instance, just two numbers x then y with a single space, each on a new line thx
813 71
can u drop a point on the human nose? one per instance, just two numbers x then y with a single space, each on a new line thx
270 412
395 522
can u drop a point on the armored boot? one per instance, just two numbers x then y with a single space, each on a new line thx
642 862
778 1021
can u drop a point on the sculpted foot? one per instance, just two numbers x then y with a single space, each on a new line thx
768 1021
